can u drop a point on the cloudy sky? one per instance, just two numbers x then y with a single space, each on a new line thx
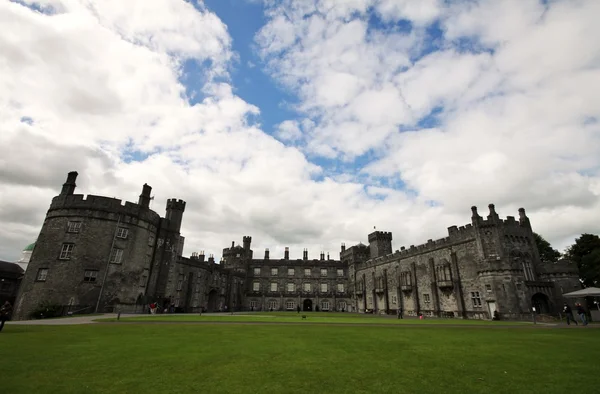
304 123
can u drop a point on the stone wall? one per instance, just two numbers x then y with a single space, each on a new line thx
262 297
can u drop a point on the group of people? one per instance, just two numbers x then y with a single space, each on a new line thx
569 313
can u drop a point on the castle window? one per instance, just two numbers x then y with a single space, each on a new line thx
323 287
291 287
528 271
144 279
256 286
394 299
180 282
273 286
151 240
340 273
273 271
340 287
342 306
290 305
426 298
122 232
253 304
273 305
307 287
307 272
116 256
90 275
488 288
256 271
476 299
66 251
291 272
323 271
325 306
73 227
41 275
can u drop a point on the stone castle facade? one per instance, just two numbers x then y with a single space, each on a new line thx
95 253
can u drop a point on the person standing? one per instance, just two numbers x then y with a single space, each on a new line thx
5 313
581 313
569 313
400 313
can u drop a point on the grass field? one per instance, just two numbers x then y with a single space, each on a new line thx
311 318
184 358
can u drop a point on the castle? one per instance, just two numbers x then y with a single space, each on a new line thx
95 253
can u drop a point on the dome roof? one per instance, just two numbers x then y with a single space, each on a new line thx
29 247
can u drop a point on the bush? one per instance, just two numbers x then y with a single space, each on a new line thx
46 309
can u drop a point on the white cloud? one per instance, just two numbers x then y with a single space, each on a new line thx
513 83
100 80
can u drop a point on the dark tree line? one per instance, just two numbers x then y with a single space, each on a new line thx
585 252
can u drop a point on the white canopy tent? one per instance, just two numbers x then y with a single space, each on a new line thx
587 292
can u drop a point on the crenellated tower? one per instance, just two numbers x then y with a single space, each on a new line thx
380 243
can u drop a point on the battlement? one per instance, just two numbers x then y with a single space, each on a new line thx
103 204
380 235
175 204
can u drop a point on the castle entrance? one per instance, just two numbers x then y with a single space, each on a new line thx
213 299
540 303
307 305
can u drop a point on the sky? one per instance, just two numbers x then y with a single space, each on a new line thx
304 123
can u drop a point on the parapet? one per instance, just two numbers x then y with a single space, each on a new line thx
102 204
175 204
380 235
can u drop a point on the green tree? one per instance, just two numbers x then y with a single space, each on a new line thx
586 253
547 254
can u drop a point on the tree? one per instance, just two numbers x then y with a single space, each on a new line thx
547 254
586 253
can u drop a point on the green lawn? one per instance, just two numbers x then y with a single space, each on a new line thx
311 318
184 358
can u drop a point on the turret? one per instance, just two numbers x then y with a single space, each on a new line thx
475 218
175 209
144 200
247 241
68 187
380 243
493 216
286 253
523 219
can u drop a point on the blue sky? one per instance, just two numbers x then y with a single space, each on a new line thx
387 113
244 19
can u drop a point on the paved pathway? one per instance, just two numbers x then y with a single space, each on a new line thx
89 319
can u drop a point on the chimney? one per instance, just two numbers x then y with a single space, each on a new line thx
201 256
322 255
343 247
267 254
68 187
305 254
144 200
286 254
211 259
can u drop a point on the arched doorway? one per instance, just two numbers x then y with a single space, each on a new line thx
213 299
307 305
540 303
